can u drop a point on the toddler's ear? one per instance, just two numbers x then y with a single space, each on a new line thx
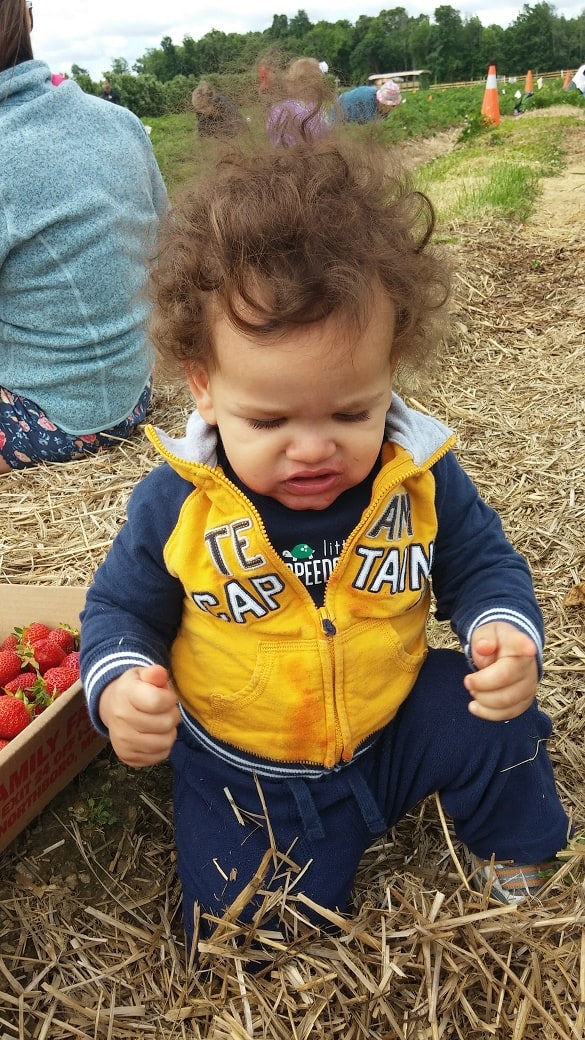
198 380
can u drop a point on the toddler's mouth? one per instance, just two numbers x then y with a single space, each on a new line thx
312 483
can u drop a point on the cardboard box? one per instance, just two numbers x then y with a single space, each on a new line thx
56 746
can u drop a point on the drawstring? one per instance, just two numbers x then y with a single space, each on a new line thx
307 808
365 801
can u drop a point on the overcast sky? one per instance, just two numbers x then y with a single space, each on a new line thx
90 33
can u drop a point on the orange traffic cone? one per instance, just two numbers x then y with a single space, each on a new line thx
490 108
529 85
568 79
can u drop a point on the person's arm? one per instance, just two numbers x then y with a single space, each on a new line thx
478 576
134 606
483 586
159 191
4 237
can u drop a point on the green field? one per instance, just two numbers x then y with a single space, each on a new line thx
489 170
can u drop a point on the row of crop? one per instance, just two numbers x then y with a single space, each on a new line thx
147 96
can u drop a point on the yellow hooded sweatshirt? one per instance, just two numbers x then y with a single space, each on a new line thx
255 662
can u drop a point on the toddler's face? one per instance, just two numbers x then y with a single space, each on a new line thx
301 418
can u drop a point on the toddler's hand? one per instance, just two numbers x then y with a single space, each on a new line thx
140 711
505 684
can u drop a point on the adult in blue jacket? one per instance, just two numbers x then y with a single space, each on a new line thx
80 198
364 104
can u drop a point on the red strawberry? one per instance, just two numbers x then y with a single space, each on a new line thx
64 637
14 716
24 682
10 643
60 679
72 660
44 654
32 633
3 744
10 666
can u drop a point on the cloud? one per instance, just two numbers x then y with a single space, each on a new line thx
92 34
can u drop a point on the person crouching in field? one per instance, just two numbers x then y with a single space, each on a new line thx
261 617
366 103
217 115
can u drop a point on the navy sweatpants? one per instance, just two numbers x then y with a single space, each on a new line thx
494 778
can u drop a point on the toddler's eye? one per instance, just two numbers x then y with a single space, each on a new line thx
265 424
353 416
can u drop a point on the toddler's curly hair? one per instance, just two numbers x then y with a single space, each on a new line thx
277 238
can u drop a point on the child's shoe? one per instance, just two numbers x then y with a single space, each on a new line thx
510 882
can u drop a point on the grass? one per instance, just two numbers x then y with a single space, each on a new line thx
507 190
176 146
493 171
423 113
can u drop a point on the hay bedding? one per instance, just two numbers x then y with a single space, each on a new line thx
90 932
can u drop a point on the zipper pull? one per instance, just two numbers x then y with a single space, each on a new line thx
329 628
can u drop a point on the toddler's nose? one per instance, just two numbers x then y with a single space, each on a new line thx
311 448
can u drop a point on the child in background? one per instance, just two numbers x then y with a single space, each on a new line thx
303 110
261 617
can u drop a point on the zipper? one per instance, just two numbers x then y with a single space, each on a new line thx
327 624
405 470
330 631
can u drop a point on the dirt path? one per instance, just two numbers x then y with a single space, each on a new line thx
560 214
422 149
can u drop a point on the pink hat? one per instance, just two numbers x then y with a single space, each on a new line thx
389 94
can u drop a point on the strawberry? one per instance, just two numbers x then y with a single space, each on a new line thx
72 660
58 680
44 654
14 716
32 633
63 637
10 643
10 666
3 744
24 682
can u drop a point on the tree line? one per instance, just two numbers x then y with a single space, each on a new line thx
453 48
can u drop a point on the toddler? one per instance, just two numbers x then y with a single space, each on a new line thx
261 616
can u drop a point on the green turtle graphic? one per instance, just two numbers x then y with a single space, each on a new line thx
302 551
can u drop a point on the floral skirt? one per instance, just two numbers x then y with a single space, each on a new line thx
28 436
